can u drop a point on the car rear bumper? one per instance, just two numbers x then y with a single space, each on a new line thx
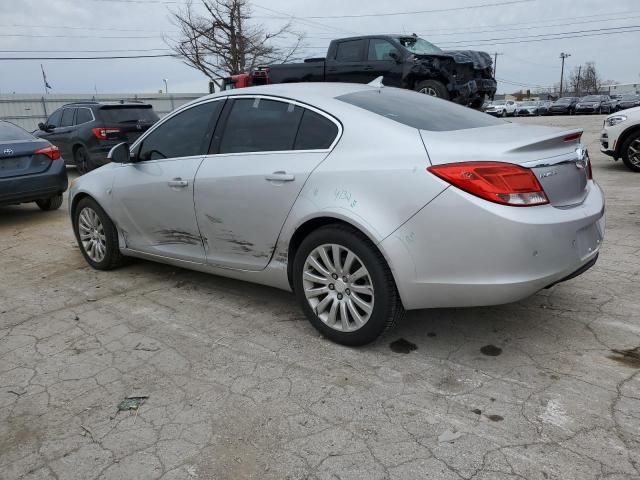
29 188
488 254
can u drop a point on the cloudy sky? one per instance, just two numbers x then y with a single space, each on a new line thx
518 29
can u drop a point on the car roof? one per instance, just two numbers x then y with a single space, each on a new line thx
115 103
316 94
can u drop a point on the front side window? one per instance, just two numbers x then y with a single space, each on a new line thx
260 125
67 117
184 135
350 51
54 119
380 50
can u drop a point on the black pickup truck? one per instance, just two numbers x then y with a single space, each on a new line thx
405 61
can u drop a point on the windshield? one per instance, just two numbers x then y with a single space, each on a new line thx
124 114
628 98
418 45
565 100
528 104
498 102
590 98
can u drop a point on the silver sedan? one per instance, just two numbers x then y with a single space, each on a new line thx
364 200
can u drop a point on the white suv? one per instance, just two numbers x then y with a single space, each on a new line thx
501 108
620 137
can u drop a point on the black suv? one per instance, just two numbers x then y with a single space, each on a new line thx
86 131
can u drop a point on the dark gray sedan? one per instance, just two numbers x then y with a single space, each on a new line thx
31 169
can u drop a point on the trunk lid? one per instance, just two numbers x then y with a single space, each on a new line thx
17 158
555 155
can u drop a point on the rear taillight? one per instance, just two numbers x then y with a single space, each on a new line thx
589 170
103 133
574 137
497 182
52 152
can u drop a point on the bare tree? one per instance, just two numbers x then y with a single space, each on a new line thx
219 39
585 80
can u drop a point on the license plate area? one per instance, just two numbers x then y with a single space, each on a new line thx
10 167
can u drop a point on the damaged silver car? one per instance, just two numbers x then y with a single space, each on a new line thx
364 200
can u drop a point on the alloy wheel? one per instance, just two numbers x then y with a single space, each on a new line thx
338 287
429 91
634 153
92 235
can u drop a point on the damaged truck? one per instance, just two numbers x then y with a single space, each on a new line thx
405 61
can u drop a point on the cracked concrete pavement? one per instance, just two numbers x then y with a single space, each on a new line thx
241 386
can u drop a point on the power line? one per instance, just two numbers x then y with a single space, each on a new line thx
416 12
31 35
89 51
471 44
115 57
547 34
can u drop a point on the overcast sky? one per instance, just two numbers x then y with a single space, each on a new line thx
68 27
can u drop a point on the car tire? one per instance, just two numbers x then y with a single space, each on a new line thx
82 160
346 317
504 113
433 88
49 204
631 152
97 236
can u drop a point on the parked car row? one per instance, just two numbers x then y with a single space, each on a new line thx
595 104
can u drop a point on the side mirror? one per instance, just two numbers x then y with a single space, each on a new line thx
120 153
395 56
42 126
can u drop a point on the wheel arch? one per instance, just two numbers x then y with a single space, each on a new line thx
312 224
623 138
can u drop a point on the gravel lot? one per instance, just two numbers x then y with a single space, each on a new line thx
239 385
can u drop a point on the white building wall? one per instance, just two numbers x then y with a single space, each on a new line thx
28 110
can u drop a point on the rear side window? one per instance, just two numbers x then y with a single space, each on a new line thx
260 125
184 135
418 110
9 131
83 115
350 51
67 117
126 114
316 132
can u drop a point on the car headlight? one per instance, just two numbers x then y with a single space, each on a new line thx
615 120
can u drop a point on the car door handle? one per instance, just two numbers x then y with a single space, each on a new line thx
280 177
178 183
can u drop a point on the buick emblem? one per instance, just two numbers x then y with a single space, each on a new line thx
7 151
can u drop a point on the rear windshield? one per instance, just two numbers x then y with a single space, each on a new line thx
9 131
125 114
418 110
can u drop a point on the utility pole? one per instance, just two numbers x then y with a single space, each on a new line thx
495 62
578 83
563 56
